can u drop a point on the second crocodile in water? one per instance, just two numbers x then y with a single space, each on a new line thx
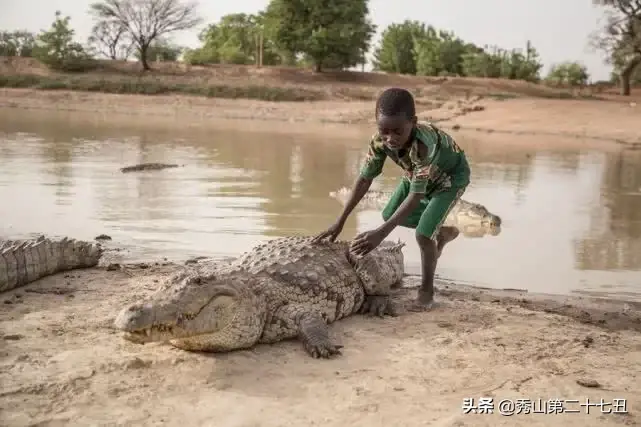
284 288
471 219
147 167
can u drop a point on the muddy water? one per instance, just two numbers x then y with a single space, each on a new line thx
571 220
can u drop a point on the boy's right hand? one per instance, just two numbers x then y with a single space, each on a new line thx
332 232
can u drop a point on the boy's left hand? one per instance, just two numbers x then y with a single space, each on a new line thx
366 242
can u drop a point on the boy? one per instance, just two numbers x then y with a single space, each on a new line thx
436 175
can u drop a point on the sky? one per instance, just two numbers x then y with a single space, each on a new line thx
559 30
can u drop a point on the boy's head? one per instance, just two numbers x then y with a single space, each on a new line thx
395 116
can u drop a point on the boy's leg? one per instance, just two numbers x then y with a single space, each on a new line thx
431 238
446 233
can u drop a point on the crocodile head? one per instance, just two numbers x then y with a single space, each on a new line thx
381 268
200 311
474 214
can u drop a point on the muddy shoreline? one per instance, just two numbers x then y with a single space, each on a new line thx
581 123
63 364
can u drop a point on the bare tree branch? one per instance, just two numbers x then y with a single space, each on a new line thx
111 40
146 20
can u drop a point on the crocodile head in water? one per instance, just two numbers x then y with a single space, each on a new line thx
224 306
473 215
470 218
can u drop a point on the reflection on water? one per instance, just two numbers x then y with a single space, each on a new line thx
571 220
613 240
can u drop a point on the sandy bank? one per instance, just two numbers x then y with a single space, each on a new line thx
61 363
587 122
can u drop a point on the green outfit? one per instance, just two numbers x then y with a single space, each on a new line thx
434 165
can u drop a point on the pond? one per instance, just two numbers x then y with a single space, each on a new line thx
571 219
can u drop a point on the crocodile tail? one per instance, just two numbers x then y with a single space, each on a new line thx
23 262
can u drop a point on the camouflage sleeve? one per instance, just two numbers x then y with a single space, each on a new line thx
374 161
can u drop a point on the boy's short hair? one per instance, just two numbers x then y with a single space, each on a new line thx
394 101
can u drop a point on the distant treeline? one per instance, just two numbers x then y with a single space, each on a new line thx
312 33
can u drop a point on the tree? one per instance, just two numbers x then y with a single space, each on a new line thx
57 49
162 50
620 38
110 39
233 40
483 63
414 48
635 77
440 52
496 62
16 43
568 73
395 52
237 38
519 66
146 20
325 31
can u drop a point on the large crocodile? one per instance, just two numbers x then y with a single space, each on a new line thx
471 219
284 288
25 261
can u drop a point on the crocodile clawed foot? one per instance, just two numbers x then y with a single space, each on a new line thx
378 305
322 350
315 336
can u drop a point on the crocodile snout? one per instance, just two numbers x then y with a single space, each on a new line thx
135 317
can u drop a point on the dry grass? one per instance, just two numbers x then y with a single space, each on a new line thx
156 86
267 83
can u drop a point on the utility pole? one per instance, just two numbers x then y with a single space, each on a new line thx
259 39
260 47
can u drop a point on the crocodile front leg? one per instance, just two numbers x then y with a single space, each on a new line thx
310 327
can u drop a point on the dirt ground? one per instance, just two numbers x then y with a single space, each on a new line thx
62 364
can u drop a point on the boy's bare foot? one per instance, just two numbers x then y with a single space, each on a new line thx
418 306
423 302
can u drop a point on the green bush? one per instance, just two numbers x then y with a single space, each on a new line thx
56 49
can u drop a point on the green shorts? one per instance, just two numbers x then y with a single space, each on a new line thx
430 214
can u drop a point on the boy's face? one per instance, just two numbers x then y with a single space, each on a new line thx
395 130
